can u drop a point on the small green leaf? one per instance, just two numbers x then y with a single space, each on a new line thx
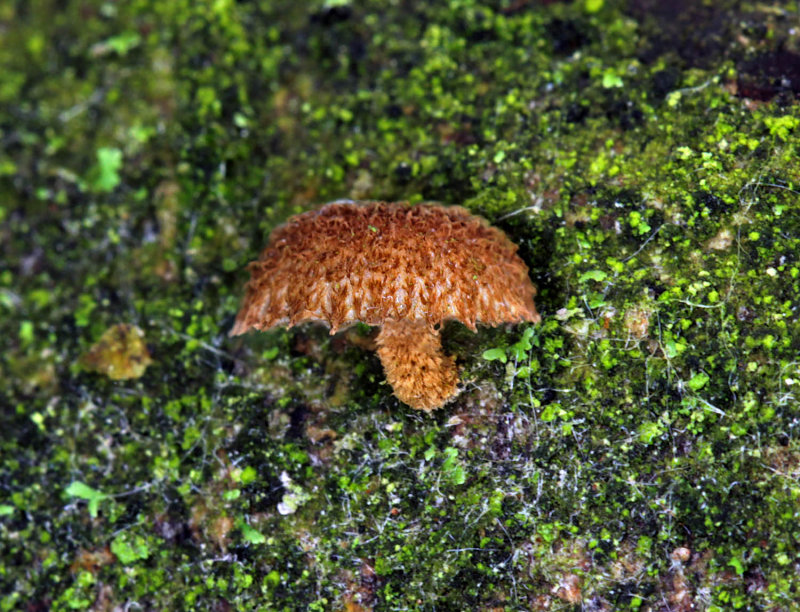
452 470
595 275
273 579
611 79
592 6
550 413
104 176
520 349
85 492
644 545
457 475
26 332
736 564
5 509
82 490
548 531
124 42
495 354
248 475
251 535
698 381
649 431
674 348
129 549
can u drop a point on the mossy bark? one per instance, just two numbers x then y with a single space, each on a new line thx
637 449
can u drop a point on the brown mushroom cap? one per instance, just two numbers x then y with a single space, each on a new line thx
369 262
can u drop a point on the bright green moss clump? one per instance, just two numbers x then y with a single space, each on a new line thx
638 449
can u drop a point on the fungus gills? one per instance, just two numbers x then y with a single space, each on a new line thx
421 374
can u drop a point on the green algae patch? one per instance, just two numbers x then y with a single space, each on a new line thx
120 353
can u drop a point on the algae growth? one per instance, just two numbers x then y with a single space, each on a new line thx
638 449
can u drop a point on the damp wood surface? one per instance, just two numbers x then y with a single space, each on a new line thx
637 449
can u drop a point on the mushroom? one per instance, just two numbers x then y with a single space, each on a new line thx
407 269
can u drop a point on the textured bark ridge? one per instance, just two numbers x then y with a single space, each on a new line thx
421 375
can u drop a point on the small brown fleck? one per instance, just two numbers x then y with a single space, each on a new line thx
569 589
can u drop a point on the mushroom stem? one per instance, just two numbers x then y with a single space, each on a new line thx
421 375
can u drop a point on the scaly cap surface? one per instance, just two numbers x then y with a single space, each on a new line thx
373 261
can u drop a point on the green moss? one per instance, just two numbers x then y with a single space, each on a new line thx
150 148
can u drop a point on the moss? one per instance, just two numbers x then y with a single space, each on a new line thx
120 353
637 447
